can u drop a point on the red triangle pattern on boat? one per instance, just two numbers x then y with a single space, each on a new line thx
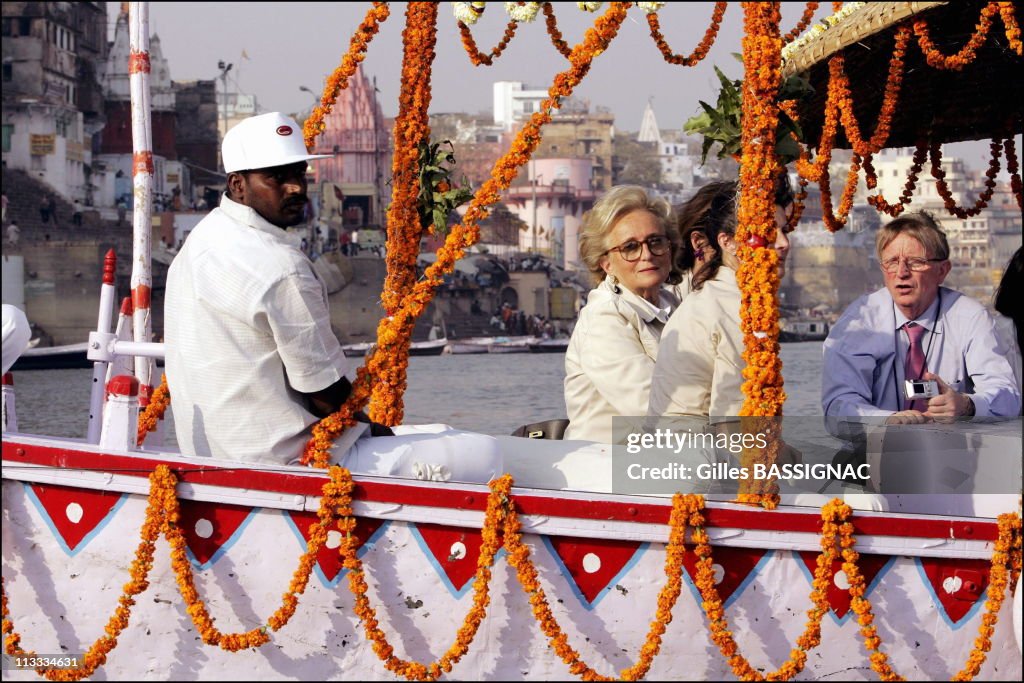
593 562
958 584
732 567
207 526
839 589
75 512
329 559
456 550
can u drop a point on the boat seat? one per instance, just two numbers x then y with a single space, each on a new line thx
16 334
548 429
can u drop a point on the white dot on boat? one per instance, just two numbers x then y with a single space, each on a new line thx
841 581
591 563
204 528
458 551
952 584
333 539
74 513
719 571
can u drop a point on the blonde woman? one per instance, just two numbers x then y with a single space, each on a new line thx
629 243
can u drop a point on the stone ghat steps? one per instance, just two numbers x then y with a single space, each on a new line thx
24 194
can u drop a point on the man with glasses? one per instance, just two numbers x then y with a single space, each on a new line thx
915 329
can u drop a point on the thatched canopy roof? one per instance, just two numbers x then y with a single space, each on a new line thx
983 100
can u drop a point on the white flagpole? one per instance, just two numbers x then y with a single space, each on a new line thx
142 181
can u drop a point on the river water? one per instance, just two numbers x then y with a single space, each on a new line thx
487 393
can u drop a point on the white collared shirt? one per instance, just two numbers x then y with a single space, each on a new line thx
610 358
247 330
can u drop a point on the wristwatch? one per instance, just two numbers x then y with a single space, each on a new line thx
970 407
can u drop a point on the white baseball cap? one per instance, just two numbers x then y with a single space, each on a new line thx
265 141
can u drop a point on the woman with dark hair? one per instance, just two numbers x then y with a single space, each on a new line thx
700 359
1009 304
712 203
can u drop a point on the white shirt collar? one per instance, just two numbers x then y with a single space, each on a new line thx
250 217
647 311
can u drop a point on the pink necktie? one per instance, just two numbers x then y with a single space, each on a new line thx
914 368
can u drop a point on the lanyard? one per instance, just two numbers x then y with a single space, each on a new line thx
927 352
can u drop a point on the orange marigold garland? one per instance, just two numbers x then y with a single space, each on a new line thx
97 653
1007 551
893 83
758 275
996 146
519 558
196 608
1013 168
477 57
338 80
967 53
412 128
494 519
1007 12
552 26
702 48
878 201
715 611
154 412
805 20
393 331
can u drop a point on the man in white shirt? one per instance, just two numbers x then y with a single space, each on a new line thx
252 363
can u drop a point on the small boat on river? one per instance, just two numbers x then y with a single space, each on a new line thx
53 357
550 345
803 329
431 347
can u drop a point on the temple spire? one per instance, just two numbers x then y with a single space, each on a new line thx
649 131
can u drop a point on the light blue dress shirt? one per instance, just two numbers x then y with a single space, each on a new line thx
865 351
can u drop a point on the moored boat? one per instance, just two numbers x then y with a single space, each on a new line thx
431 347
519 344
470 345
803 329
550 346
53 357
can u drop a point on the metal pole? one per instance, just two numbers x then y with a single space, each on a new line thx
533 193
142 185
96 340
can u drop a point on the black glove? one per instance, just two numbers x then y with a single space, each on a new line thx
376 429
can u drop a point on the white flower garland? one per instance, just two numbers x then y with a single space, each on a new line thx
589 6
522 12
468 12
650 7
819 28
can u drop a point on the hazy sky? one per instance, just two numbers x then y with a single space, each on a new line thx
298 44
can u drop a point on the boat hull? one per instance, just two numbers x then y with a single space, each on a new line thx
53 358
70 534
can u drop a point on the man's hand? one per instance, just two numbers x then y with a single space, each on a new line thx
376 428
907 417
949 404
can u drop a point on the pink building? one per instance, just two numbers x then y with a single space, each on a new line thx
552 204
353 185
